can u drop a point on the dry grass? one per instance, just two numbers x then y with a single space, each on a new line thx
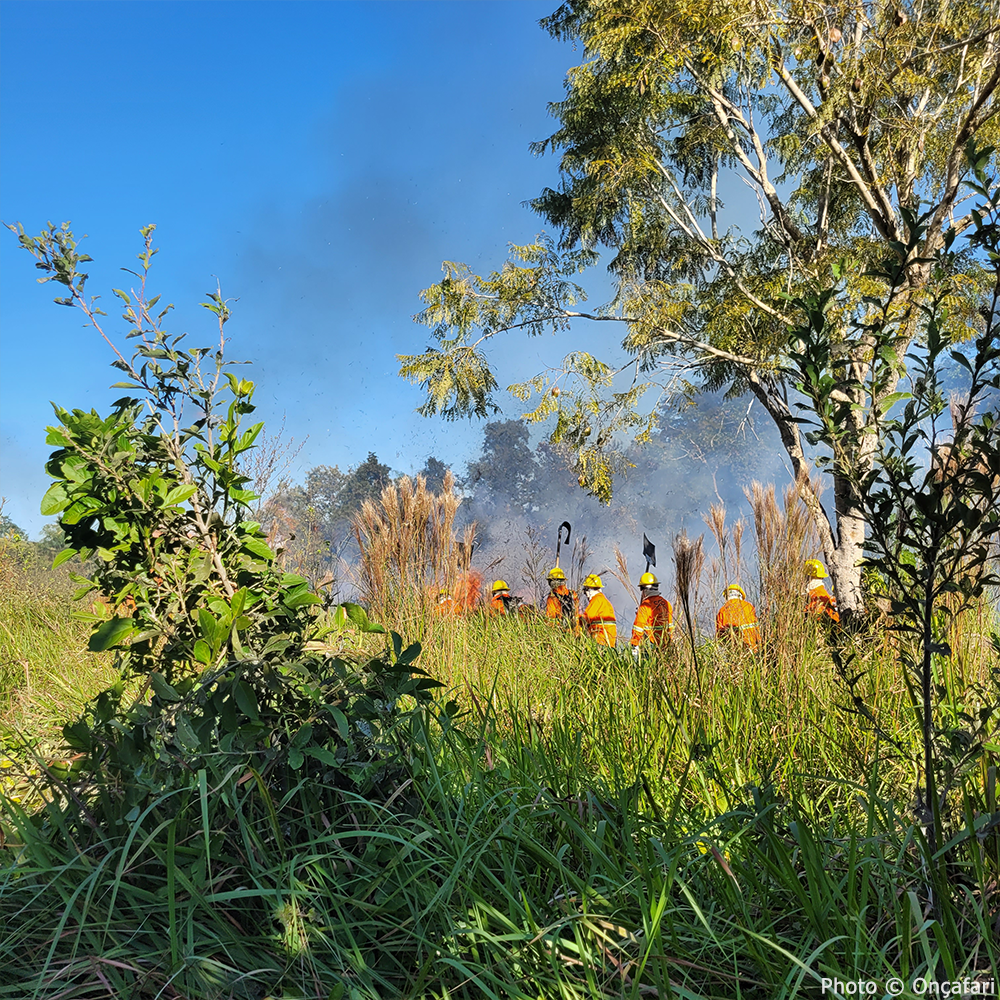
728 566
46 673
621 574
536 564
408 551
786 538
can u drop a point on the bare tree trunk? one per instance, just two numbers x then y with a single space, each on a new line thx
845 559
843 541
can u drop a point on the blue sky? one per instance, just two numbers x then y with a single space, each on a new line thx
319 159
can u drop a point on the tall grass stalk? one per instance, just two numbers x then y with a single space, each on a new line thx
407 548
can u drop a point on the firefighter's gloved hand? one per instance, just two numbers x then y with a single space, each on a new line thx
635 653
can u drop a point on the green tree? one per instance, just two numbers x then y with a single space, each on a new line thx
504 474
313 519
8 529
305 518
434 471
228 649
364 482
850 124
932 503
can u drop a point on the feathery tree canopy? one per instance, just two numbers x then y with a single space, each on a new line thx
851 124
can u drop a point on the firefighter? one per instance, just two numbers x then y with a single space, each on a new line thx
654 618
562 604
501 600
446 606
502 603
737 618
820 603
598 617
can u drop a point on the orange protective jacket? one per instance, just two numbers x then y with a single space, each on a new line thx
562 603
497 605
447 608
599 620
654 621
738 617
822 604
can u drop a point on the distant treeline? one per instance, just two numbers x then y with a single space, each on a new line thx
702 451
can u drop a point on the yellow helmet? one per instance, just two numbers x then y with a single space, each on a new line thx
593 582
739 590
499 585
555 574
648 580
815 569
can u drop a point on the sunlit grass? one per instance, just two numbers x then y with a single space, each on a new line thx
46 673
584 827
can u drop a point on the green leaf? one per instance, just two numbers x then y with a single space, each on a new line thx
55 499
302 737
295 758
179 494
162 688
359 616
202 652
891 400
340 720
409 654
63 556
185 735
246 700
238 603
301 598
208 624
321 754
257 548
112 633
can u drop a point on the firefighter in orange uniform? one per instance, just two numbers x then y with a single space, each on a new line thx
654 618
820 603
562 604
503 603
598 617
737 618
446 607
501 599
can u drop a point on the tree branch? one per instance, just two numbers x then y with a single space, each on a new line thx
878 205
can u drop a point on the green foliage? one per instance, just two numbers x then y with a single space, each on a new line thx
506 470
932 497
267 802
235 667
588 830
843 122
8 529
313 519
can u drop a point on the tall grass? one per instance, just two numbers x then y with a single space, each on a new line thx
46 675
570 825
588 828
408 551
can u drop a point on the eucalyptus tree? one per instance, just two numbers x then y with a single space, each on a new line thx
851 126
